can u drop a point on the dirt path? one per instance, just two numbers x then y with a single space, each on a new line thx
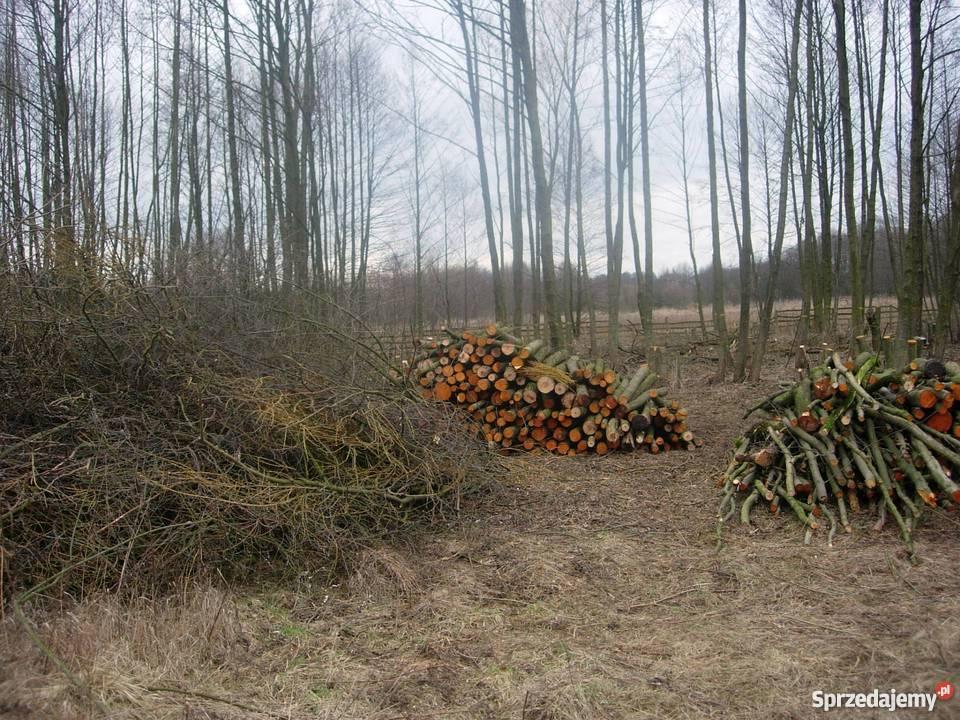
593 589
581 589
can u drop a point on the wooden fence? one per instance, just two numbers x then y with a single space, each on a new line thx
670 333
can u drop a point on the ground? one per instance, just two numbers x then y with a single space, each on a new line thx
574 588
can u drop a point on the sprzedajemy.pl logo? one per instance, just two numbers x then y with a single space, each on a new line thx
884 699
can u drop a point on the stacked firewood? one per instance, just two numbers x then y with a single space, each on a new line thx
529 396
849 437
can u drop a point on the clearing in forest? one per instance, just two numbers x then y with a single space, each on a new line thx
578 588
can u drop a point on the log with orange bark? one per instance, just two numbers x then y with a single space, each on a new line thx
851 436
529 396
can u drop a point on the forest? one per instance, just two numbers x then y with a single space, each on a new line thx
508 160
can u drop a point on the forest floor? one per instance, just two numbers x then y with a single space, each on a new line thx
577 588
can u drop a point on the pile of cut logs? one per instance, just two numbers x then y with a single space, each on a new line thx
849 437
529 396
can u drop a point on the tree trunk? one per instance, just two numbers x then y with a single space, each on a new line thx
719 314
774 271
849 202
951 277
746 246
572 325
417 205
911 301
685 176
473 83
645 180
613 277
174 239
518 35
808 268
512 146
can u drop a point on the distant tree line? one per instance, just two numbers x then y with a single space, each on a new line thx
454 298
276 146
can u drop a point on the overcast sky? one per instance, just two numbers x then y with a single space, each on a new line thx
674 50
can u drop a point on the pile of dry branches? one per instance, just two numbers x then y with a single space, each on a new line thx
528 396
851 436
135 448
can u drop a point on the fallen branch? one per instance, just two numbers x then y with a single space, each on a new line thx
849 437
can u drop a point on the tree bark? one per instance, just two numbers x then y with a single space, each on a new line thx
518 35
473 83
774 271
911 301
645 180
746 246
951 278
849 203
719 311
613 276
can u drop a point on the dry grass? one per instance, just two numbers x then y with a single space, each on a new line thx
138 445
585 588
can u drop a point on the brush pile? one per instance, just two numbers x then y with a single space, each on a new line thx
848 437
528 396
138 446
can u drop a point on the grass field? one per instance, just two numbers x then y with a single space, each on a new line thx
576 588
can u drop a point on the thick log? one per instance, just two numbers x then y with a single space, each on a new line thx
529 396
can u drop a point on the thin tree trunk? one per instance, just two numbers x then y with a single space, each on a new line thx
240 262
645 180
715 71
811 278
620 111
746 246
719 314
174 240
518 35
266 141
583 275
951 280
774 270
613 277
512 146
61 188
473 83
911 301
417 206
685 175
532 230
849 202
824 147
572 325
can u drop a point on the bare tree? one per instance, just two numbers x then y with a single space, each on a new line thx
266 142
746 247
518 36
614 252
911 299
471 65
719 309
785 181
946 302
174 239
647 285
849 201
682 112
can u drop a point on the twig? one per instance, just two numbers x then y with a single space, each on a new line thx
685 591
215 698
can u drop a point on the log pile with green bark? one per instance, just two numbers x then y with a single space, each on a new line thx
529 396
852 437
